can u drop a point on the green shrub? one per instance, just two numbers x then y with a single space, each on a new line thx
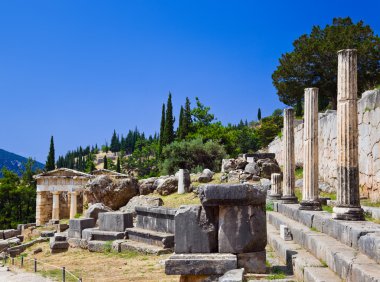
192 155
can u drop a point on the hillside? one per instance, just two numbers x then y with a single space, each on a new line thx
15 162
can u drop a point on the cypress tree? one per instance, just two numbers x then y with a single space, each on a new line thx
162 130
259 114
187 119
298 108
105 162
169 122
118 167
115 143
50 162
180 125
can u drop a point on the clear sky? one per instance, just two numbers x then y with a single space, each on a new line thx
80 69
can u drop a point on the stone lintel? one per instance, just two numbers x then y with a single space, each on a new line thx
200 264
232 195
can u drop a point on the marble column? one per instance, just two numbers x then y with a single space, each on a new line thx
310 199
181 181
275 191
348 197
39 208
55 213
288 196
73 204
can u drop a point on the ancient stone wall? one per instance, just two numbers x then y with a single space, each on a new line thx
369 145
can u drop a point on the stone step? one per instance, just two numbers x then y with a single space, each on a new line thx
99 235
129 245
298 260
360 235
346 262
160 239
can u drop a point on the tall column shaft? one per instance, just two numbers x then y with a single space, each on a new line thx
275 191
73 204
181 181
348 198
55 213
310 146
39 210
289 158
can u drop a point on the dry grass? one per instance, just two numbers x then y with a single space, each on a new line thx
129 266
176 200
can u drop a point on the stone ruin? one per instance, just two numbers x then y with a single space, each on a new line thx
226 232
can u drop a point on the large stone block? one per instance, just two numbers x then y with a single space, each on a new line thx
200 264
242 229
159 219
100 235
77 226
253 262
232 195
370 245
115 221
235 275
196 229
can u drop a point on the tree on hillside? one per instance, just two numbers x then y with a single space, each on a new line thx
259 114
118 165
90 166
169 122
180 124
186 120
313 62
105 162
50 162
115 143
201 115
162 130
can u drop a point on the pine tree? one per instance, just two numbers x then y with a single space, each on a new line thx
169 122
187 121
180 125
105 162
50 162
162 130
115 143
118 166
259 114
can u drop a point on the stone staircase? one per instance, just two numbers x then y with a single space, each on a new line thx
324 249
153 231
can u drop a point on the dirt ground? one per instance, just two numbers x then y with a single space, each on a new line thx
130 266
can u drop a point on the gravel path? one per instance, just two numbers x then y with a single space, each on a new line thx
20 276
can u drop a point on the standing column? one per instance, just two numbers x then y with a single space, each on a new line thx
55 214
181 181
310 152
348 198
275 191
39 209
73 204
288 196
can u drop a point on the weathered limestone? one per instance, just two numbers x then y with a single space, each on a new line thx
310 167
288 196
197 229
43 208
115 221
253 262
73 204
200 264
348 198
275 191
78 225
285 233
183 181
55 212
242 229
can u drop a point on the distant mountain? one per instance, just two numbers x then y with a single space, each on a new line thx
15 162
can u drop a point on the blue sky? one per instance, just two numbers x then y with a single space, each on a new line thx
80 69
